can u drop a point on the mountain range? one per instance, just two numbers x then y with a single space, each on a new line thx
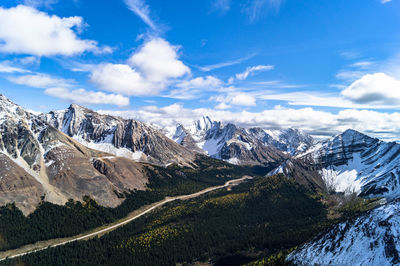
75 152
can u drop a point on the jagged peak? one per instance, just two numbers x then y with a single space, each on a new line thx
78 108
9 108
352 133
350 136
204 123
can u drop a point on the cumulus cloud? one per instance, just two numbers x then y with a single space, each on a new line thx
234 98
40 80
123 79
377 88
201 83
158 60
385 1
148 72
82 96
25 30
317 123
252 70
243 100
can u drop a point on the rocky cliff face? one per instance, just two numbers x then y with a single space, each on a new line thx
38 160
292 141
254 146
352 162
126 138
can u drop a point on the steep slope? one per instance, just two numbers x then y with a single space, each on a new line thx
292 141
37 160
371 239
352 162
225 142
127 138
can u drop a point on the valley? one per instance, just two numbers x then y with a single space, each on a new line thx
39 246
76 174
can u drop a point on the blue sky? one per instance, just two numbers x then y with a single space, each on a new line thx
321 66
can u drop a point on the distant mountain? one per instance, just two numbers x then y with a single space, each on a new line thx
37 160
352 162
126 138
226 142
237 145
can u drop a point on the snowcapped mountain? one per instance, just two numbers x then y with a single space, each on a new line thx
354 162
371 239
239 145
292 141
38 160
126 138
227 142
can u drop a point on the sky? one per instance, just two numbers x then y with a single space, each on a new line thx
320 66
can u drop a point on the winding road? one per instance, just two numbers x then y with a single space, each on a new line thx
42 245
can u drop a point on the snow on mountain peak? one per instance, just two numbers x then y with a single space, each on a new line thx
204 123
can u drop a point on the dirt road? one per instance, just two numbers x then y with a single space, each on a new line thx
42 245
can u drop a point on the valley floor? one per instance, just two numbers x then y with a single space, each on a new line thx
42 245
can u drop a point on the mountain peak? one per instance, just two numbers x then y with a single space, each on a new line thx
204 123
77 107
351 134
9 108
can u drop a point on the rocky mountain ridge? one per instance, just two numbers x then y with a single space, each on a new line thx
237 145
121 137
38 161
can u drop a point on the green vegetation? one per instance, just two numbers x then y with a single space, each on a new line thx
53 221
255 219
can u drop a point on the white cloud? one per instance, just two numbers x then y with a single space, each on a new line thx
40 81
29 60
362 64
194 88
252 70
222 106
234 98
225 64
26 30
158 61
382 125
122 79
350 75
209 82
148 72
243 100
377 88
142 10
5 67
82 96
385 1
277 84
